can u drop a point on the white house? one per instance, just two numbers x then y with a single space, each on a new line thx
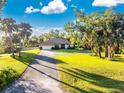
55 43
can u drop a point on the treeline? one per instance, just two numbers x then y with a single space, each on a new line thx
73 37
54 33
14 36
101 32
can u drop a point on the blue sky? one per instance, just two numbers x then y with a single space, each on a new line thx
47 14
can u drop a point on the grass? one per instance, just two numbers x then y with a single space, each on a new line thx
11 68
83 73
78 50
18 63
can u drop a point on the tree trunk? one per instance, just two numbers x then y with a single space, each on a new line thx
99 52
117 50
20 44
20 50
23 43
13 54
19 53
11 45
92 51
109 52
106 52
112 52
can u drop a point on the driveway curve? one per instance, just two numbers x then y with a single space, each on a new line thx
40 77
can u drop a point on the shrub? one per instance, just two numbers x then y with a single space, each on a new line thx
71 47
55 47
7 76
40 48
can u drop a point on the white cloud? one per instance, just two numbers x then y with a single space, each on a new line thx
120 1
31 9
69 0
73 6
41 4
107 3
54 7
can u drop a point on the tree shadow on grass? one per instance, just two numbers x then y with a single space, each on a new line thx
80 90
28 57
92 78
73 51
49 59
73 74
98 80
69 50
25 57
60 81
118 59
43 58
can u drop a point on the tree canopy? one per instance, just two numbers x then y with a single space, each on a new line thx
99 31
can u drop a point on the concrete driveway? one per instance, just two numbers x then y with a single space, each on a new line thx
40 77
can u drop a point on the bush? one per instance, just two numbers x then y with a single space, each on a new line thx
40 48
7 76
55 48
71 47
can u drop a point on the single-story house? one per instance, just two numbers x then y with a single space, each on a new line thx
56 43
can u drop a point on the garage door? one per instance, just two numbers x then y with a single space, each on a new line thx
46 47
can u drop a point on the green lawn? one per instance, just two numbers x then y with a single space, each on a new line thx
82 73
18 64
11 68
79 50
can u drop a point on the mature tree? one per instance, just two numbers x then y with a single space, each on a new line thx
7 26
14 34
99 31
114 31
34 41
25 31
73 34
52 34
62 35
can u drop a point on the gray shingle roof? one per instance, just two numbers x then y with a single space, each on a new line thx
56 41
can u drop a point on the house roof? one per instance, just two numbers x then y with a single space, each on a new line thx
56 41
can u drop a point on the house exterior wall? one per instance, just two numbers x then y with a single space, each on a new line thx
47 47
71 46
66 46
59 45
